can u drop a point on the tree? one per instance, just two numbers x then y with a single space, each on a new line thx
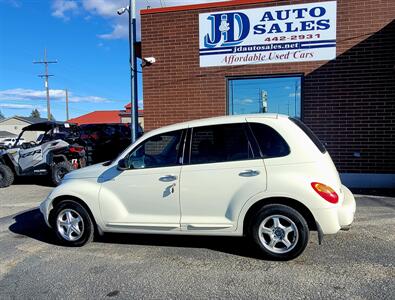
1 115
35 113
52 118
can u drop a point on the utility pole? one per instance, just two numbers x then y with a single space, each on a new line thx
67 105
46 76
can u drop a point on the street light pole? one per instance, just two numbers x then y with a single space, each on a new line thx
131 9
133 69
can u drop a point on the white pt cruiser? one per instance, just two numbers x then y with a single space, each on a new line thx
264 176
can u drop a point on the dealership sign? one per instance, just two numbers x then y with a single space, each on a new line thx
292 33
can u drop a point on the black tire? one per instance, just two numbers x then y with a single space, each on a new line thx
6 176
59 170
289 239
86 225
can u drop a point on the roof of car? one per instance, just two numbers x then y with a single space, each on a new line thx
44 126
215 120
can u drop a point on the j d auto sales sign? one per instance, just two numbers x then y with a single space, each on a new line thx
292 33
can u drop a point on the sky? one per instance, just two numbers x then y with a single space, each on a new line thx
87 39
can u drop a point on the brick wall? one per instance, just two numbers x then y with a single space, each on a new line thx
349 102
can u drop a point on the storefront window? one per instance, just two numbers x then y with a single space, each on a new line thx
265 94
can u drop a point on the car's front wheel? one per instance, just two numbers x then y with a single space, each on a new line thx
72 223
6 176
280 231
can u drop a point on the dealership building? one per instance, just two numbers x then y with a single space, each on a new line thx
329 63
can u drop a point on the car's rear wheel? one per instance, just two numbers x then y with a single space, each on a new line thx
59 170
6 176
72 224
280 231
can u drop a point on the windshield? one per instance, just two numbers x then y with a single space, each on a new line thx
28 136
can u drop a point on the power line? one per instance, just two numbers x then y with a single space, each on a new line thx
46 76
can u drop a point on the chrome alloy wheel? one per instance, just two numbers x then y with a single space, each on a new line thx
70 225
278 234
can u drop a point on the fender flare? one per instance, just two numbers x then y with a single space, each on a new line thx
277 198
6 160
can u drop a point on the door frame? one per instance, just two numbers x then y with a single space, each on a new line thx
152 226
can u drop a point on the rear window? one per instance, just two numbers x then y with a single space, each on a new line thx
310 134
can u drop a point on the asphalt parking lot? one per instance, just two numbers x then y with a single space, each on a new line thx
358 264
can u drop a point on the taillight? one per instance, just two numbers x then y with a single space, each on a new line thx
325 192
76 149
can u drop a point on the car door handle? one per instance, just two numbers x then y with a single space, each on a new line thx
249 173
168 178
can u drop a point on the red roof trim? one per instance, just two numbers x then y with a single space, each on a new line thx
98 117
201 6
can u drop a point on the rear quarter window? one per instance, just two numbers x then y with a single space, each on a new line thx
310 134
270 142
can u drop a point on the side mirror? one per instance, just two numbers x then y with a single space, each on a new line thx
122 165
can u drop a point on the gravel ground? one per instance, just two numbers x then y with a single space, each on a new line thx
358 264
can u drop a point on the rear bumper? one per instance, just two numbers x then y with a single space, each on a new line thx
347 210
331 220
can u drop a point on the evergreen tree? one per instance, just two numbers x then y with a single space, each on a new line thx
1 115
35 113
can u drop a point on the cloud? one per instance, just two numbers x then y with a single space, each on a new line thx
14 3
16 106
28 94
246 101
88 99
23 107
108 9
21 94
61 7
103 8
119 31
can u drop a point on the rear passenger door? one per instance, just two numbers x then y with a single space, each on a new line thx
222 170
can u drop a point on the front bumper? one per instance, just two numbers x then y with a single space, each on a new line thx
44 209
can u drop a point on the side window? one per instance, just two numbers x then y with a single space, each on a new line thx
220 143
161 150
270 142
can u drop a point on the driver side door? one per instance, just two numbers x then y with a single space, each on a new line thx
145 196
